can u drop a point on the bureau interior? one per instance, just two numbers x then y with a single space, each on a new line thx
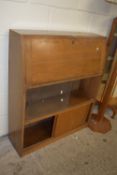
50 99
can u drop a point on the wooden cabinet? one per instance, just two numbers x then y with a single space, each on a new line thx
53 82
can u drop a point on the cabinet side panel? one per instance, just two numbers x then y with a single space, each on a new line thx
16 90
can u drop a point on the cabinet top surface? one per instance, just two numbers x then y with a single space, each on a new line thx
54 33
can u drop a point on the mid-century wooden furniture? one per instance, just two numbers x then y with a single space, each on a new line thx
53 83
110 63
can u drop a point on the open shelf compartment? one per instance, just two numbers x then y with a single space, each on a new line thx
38 132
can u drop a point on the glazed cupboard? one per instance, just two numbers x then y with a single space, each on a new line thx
53 82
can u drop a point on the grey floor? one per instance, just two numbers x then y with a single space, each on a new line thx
83 153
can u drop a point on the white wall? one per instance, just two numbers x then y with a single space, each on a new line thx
75 15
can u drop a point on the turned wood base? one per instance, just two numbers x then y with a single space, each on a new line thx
102 126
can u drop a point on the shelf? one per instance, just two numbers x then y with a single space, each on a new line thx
38 132
53 106
44 102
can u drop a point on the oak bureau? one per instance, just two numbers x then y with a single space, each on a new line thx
54 78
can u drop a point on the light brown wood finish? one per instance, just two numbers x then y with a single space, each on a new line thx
16 91
64 58
70 120
37 60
